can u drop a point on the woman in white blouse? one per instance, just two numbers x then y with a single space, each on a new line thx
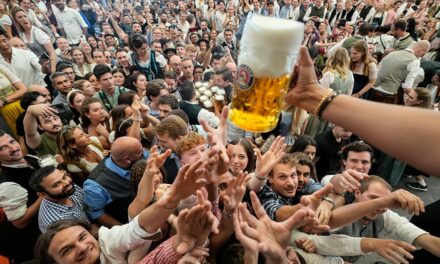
36 39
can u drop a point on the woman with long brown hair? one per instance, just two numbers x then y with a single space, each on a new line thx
81 152
364 69
95 121
81 64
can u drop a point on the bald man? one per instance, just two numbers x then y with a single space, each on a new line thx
397 72
107 191
18 43
174 64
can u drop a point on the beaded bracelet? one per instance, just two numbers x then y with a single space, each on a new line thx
325 100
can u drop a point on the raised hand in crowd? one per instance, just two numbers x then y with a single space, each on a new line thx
261 234
194 225
401 199
235 191
265 162
186 183
396 252
146 185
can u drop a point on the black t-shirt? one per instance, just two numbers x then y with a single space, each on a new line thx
327 151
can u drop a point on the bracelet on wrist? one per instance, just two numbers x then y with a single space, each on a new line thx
260 178
227 214
329 200
325 100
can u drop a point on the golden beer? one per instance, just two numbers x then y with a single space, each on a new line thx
269 48
258 109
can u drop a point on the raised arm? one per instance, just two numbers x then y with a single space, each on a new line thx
359 116
33 138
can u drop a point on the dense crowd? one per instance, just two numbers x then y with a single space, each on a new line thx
117 148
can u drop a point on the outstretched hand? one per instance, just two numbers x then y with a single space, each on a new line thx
189 179
264 235
235 191
195 225
266 162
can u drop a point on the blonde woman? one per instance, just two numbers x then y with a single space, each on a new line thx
380 15
338 76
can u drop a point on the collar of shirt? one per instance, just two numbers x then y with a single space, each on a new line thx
109 163
268 193
126 174
20 165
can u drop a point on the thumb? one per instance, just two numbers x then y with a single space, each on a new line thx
294 221
323 191
304 58
185 246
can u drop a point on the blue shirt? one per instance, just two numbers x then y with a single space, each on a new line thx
51 212
97 197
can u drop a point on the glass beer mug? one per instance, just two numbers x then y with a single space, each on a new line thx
269 49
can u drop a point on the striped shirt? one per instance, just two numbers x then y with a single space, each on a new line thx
51 212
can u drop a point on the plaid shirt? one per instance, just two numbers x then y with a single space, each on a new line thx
272 201
51 212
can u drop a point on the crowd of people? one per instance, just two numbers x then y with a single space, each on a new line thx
117 146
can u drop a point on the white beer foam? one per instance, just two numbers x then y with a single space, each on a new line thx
269 46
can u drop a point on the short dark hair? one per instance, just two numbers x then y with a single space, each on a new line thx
170 100
302 142
97 50
364 29
170 75
55 75
4 33
100 70
187 90
63 66
120 50
132 79
226 74
28 98
357 146
400 24
38 176
137 40
153 89
43 242
180 113
303 159
126 98
228 30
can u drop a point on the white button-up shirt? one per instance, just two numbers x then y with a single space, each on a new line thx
72 22
24 64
